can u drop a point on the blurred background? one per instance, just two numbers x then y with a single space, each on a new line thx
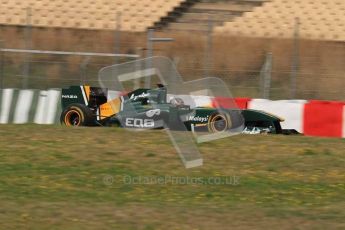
275 49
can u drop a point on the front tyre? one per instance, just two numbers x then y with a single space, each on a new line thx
219 122
77 115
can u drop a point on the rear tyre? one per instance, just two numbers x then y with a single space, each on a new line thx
77 115
219 122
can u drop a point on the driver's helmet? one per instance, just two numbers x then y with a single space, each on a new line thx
176 101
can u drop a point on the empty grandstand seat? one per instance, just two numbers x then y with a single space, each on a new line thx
92 14
319 19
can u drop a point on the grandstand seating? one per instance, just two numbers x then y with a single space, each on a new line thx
86 14
316 19
199 14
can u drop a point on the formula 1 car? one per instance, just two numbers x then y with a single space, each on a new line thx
149 109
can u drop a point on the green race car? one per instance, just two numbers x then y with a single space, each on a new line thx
149 109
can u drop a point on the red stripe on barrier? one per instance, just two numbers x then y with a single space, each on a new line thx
323 118
228 103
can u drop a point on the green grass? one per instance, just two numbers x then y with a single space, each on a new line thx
54 177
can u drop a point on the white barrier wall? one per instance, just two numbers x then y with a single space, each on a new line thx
22 109
30 106
6 100
47 107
